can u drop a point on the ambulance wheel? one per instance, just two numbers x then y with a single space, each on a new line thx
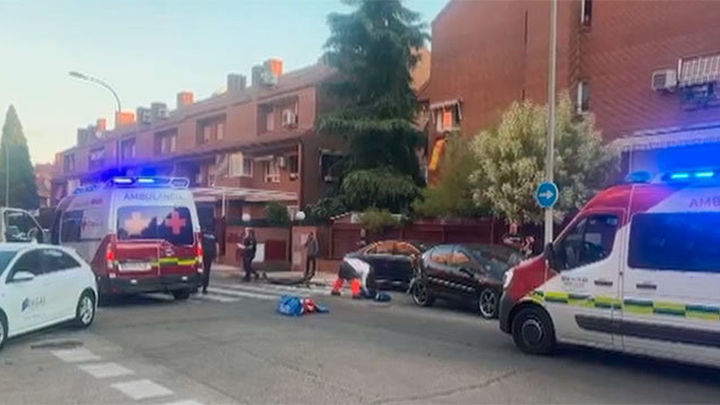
181 295
3 330
533 331
487 303
85 311
421 294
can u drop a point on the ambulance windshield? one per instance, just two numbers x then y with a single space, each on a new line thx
173 224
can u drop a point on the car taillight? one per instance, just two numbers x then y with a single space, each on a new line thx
199 257
110 256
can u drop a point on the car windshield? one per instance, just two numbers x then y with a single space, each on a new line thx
5 257
503 256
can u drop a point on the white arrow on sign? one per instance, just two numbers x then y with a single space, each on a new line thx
548 194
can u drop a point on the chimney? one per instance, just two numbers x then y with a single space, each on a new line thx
274 66
101 125
158 111
86 136
184 99
236 82
256 76
123 118
143 115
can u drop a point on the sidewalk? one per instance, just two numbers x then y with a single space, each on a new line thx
322 279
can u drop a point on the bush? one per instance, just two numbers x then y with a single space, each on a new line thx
277 215
376 220
323 210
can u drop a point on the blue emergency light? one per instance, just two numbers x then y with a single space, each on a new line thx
704 175
689 175
122 180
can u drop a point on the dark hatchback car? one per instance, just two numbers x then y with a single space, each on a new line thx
465 272
392 260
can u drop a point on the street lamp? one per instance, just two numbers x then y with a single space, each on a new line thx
87 78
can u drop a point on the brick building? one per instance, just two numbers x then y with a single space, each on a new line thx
648 70
240 149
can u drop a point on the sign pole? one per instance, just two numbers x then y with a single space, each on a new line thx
549 161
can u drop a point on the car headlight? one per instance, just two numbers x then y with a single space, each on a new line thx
507 278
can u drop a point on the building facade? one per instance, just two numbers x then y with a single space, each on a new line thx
647 70
241 149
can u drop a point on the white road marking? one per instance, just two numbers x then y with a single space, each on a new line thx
279 290
78 355
185 402
142 389
244 294
217 298
106 370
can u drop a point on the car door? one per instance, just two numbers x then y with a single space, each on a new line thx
402 267
464 274
62 274
582 294
671 304
380 259
437 268
27 299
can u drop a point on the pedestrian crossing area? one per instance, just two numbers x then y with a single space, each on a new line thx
226 293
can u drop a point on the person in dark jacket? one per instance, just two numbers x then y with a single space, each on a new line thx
249 247
209 245
312 248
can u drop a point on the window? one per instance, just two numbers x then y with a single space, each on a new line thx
127 149
271 171
69 163
6 257
173 224
459 258
20 227
57 260
447 118
328 165
71 226
382 248
293 166
583 96
405 249
678 241
441 254
289 117
240 165
586 13
220 130
166 142
210 130
269 120
29 262
96 158
589 241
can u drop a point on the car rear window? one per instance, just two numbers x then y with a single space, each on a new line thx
173 224
675 241
5 258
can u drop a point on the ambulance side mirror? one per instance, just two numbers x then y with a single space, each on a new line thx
549 255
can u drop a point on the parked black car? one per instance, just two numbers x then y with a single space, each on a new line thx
392 260
467 272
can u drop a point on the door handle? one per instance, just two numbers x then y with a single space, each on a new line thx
604 283
646 286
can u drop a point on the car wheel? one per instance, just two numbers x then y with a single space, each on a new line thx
85 311
3 330
533 331
181 294
421 294
487 303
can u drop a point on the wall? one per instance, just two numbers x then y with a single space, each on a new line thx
276 240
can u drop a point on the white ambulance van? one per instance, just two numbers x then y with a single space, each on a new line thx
637 270
139 234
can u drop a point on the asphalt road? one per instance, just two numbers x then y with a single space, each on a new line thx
233 348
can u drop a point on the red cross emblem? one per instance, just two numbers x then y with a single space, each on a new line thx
136 223
175 223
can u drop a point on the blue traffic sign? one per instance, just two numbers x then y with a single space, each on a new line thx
546 194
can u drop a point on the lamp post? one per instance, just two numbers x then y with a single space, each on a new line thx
549 160
95 80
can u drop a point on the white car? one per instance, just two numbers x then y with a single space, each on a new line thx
43 285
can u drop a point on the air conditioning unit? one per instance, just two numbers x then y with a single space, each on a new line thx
664 80
268 78
289 118
144 115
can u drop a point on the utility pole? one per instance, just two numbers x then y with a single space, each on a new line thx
7 174
550 159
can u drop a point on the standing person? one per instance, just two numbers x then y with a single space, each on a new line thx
513 237
363 239
209 245
312 248
249 247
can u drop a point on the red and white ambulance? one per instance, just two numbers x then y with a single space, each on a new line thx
637 270
139 234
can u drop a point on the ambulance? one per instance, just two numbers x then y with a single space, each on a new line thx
139 234
637 270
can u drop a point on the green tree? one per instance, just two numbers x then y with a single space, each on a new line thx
14 155
372 49
379 188
512 161
452 194
375 220
277 215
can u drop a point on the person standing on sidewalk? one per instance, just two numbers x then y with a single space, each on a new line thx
312 248
249 247
209 245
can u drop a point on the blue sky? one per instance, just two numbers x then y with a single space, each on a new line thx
147 49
